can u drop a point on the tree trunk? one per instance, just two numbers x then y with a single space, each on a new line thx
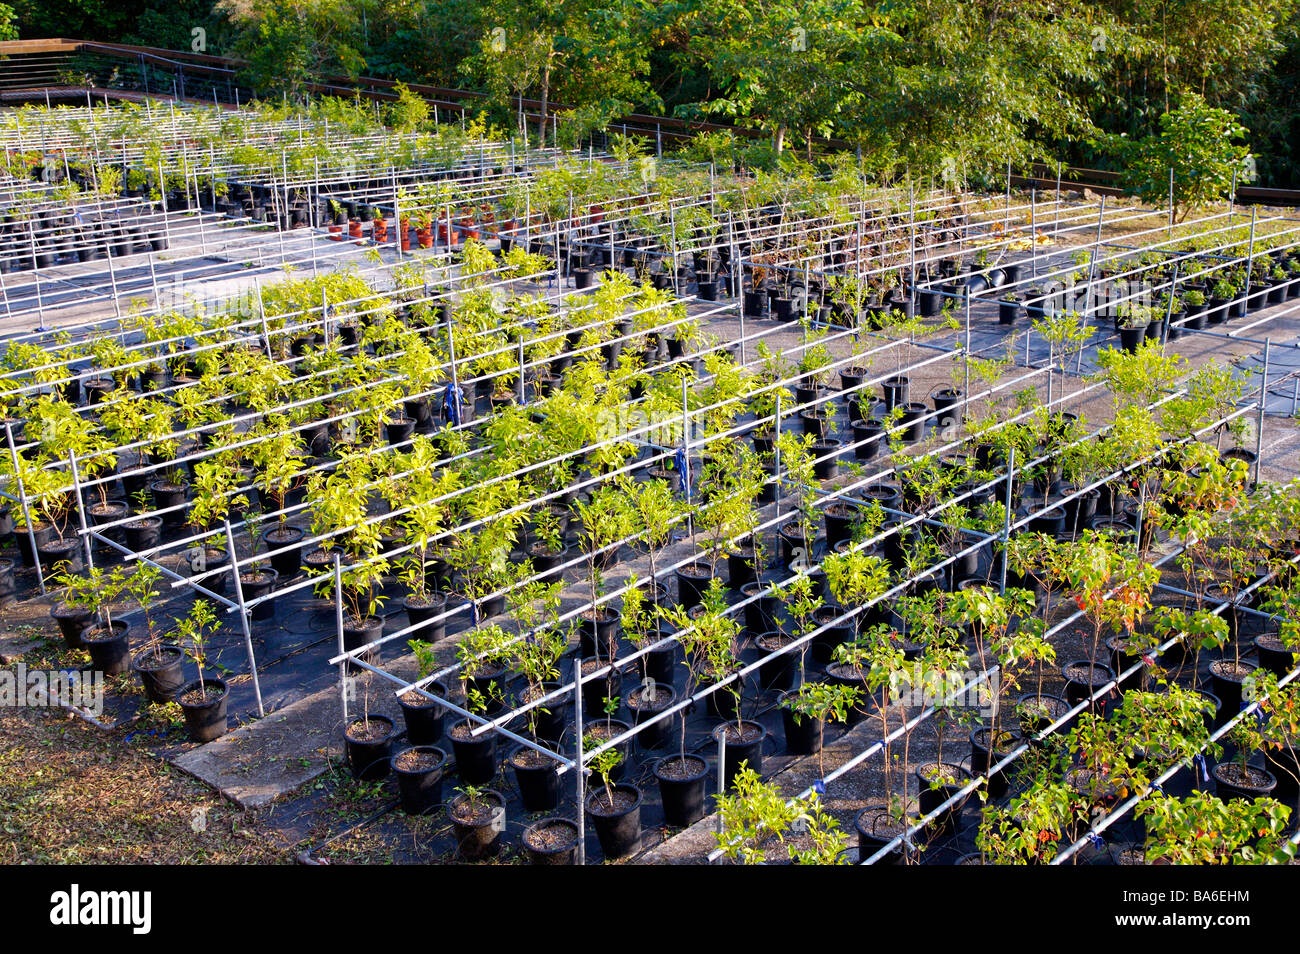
546 91
778 139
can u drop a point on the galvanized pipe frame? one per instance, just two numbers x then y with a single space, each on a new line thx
910 724
744 602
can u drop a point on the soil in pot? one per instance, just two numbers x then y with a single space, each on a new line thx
1231 780
682 783
536 775
478 823
423 717
616 815
744 747
160 672
369 743
420 770
645 702
204 706
108 647
551 841
476 756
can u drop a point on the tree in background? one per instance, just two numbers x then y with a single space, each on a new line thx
1198 144
8 22
288 43
780 64
585 53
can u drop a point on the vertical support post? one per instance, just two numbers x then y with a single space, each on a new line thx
81 510
338 618
1090 303
243 620
776 455
578 769
22 499
1006 518
1033 231
686 458
1170 229
722 761
261 311
1263 404
1250 255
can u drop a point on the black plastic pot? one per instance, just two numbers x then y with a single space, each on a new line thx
760 615
740 567
980 758
1008 312
108 647
868 436
1226 682
779 671
426 608
931 795
823 644
896 391
748 752
551 841
358 633
160 672
1229 783
876 828
803 733
167 495
479 835
682 790
287 564
420 786
1082 679
61 550
205 719
645 702
598 634
476 757
423 722
256 584
1273 655
913 421
844 675
693 580
370 757
618 827
539 784
71 621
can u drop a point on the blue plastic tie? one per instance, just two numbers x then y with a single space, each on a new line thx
1199 759
1097 841
680 460
819 787
451 399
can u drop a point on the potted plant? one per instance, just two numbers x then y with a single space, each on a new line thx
204 701
615 810
478 818
158 664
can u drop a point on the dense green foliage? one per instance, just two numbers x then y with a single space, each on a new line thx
951 89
